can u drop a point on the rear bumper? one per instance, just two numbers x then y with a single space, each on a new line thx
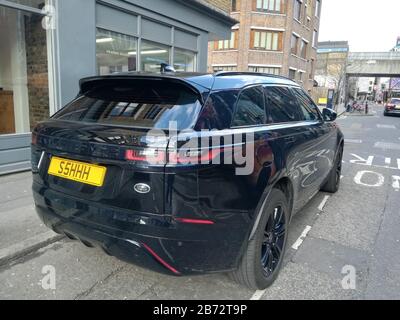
154 242
392 112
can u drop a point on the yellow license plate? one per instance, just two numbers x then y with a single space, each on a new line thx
78 171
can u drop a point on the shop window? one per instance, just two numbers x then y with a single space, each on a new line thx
24 87
266 40
115 52
153 55
184 60
37 4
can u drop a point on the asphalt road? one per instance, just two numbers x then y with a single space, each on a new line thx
342 246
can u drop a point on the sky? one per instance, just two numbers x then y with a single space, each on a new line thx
368 25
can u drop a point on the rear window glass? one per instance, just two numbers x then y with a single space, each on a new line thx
282 106
396 101
150 105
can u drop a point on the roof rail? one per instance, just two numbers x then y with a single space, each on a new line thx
248 73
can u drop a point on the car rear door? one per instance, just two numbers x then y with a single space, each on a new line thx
324 147
291 141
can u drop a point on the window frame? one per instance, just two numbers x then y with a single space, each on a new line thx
272 32
267 3
303 49
313 105
294 49
235 109
235 5
268 110
234 37
300 4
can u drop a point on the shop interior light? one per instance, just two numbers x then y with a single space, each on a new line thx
104 40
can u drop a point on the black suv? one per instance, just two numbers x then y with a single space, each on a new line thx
186 173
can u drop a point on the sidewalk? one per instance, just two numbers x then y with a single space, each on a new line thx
21 231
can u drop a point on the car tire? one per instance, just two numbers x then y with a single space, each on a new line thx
333 183
262 260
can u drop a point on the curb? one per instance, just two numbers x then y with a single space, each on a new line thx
28 246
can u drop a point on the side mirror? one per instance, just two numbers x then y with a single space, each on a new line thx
329 115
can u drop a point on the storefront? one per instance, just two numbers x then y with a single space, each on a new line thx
46 46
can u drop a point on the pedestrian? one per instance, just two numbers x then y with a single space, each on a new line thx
366 107
348 107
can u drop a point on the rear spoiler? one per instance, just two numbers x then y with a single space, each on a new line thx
90 83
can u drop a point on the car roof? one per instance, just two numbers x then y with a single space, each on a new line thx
216 81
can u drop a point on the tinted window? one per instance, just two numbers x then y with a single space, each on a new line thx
218 111
308 107
144 105
250 109
395 101
281 105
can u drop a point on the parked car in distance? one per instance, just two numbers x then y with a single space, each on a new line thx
93 179
392 107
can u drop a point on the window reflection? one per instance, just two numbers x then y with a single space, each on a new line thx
152 55
115 52
184 60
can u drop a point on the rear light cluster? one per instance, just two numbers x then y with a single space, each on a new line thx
157 157
390 106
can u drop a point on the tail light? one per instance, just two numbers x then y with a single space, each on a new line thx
194 221
194 156
149 155
390 106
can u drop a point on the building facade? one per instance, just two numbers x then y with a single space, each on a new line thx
273 36
396 48
330 72
48 45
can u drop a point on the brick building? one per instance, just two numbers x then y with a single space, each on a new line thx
273 36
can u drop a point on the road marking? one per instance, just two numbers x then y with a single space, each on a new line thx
300 240
258 294
396 183
360 160
379 183
341 177
323 203
388 161
386 126
387 145
353 141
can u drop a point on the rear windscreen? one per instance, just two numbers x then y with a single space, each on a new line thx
142 104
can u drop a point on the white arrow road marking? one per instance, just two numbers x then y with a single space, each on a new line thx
360 160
